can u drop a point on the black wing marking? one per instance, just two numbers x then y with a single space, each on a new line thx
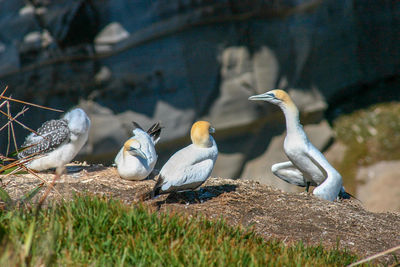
157 187
52 134
136 125
154 131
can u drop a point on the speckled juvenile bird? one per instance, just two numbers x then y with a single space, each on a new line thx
58 141
191 166
137 157
307 165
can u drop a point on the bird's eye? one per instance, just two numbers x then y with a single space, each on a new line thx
271 95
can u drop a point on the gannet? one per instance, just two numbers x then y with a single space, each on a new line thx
307 165
137 157
58 141
189 167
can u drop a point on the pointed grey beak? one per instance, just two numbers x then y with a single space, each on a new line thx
137 152
264 96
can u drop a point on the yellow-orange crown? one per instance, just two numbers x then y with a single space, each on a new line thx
131 143
282 95
200 133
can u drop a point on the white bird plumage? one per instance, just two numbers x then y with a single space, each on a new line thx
137 157
307 165
191 166
58 141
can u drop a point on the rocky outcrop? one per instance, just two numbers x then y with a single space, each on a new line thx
179 61
379 185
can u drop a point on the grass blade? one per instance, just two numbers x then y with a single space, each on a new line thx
28 197
8 170
5 196
28 242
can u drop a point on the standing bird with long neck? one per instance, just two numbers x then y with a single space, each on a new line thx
307 165
191 166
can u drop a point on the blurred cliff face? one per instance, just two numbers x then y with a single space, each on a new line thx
179 61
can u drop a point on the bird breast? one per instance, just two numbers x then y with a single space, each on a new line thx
296 149
132 168
294 145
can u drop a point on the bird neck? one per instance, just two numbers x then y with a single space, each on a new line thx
206 144
125 155
202 142
292 118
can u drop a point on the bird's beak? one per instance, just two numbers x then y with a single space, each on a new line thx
137 152
212 130
265 96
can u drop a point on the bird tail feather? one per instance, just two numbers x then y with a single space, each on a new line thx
154 131
136 125
346 195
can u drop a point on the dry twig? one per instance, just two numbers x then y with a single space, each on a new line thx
30 104
20 164
380 254
57 175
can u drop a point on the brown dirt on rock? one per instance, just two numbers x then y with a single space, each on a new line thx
272 213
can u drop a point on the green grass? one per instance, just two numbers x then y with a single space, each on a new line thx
101 232
370 135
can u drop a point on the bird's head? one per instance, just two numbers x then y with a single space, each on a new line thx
132 147
277 97
78 121
200 133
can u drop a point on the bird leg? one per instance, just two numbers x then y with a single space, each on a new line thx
308 186
289 173
153 175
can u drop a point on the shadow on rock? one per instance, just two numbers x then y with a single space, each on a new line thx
199 196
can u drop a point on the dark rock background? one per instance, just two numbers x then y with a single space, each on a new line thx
180 61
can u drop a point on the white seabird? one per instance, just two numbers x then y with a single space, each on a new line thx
307 165
58 141
137 158
189 167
